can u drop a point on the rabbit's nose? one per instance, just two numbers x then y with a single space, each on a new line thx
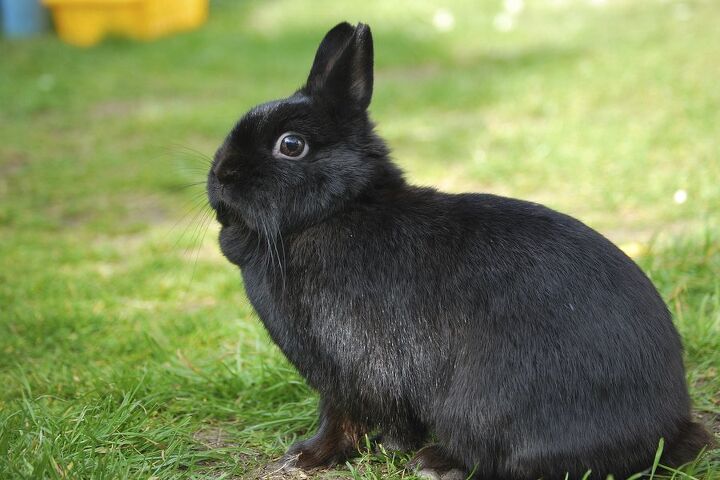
224 173
221 174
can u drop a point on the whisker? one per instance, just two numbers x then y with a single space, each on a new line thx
269 256
257 244
200 219
279 260
196 202
184 154
185 186
192 153
284 256
180 156
193 168
205 226
202 195
198 211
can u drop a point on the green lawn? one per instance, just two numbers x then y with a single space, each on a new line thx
127 346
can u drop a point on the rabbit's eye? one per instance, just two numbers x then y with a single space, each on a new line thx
290 145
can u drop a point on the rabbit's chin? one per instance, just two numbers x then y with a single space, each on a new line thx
224 217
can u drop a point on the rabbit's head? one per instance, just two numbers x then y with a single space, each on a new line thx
292 162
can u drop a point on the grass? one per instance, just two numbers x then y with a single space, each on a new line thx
127 346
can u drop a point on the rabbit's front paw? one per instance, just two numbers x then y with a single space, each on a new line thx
307 454
336 440
316 452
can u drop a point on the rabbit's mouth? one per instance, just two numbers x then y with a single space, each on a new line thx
225 214
217 198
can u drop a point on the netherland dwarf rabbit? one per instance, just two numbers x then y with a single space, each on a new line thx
519 340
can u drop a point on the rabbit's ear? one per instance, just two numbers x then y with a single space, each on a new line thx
343 68
329 51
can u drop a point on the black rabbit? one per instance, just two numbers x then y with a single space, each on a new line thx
523 342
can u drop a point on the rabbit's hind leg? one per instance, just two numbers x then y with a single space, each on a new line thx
405 436
433 463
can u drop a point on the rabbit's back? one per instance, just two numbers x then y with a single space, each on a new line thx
475 313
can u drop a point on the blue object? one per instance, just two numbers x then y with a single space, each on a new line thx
22 18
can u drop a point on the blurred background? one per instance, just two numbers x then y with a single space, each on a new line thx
127 346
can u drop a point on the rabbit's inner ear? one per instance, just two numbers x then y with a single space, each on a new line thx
345 76
328 53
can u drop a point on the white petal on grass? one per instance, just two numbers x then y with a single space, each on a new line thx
443 20
514 7
504 22
680 196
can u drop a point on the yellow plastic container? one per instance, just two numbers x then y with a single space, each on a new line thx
86 22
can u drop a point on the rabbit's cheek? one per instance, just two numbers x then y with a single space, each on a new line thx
235 243
227 237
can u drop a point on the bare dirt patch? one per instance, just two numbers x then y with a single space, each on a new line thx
212 438
279 471
217 438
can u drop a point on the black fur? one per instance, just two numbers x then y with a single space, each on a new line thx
525 342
